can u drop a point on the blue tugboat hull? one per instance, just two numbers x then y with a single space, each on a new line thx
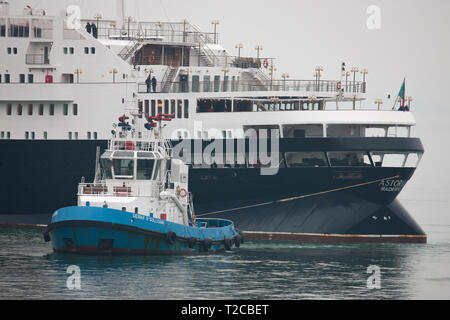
93 230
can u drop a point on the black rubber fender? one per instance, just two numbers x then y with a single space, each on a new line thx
46 236
228 244
192 242
237 241
171 237
206 244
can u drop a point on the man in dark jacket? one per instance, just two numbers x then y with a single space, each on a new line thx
154 84
94 30
88 27
148 82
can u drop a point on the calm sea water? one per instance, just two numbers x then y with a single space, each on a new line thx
258 270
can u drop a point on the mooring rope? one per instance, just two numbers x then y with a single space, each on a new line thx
298 197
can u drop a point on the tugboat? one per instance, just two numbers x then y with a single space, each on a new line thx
139 202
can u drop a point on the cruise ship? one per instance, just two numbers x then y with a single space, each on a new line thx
338 161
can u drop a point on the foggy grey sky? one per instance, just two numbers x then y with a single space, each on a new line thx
413 42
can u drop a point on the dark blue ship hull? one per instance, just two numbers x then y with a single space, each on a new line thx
303 203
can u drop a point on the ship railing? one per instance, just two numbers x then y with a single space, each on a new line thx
142 145
120 189
36 59
329 86
175 32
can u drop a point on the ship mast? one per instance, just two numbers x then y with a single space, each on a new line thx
120 13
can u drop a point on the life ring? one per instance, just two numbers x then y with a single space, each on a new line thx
265 63
182 193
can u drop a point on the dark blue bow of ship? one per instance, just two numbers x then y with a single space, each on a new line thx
41 176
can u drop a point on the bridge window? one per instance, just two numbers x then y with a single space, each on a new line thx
306 159
195 84
144 169
107 168
349 159
388 159
206 83
123 168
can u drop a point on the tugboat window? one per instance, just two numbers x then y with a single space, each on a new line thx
107 168
144 169
123 168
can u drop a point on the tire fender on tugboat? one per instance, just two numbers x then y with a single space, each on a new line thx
206 244
171 237
228 244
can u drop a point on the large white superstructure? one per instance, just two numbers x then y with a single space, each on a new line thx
61 83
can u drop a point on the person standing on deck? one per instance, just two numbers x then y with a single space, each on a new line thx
94 30
148 82
88 27
154 84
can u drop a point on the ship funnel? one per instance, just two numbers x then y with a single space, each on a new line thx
4 8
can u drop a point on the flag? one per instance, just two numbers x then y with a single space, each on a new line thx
401 93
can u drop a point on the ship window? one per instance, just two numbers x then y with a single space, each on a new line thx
15 50
19 109
166 106
195 83
124 154
86 50
45 135
216 83
65 50
107 168
76 135
144 169
93 50
70 135
33 135
9 50
9 109
180 109
225 83
30 109
242 106
27 135
65 109
388 159
413 159
0 78
147 108
7 78
206 83
22 78
186 109
153 108
145 154
95 135
51 109
75 109
2 27
30 78
41 109
349 159
172 107
158 165
123 168
71 50
306 159
160 105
